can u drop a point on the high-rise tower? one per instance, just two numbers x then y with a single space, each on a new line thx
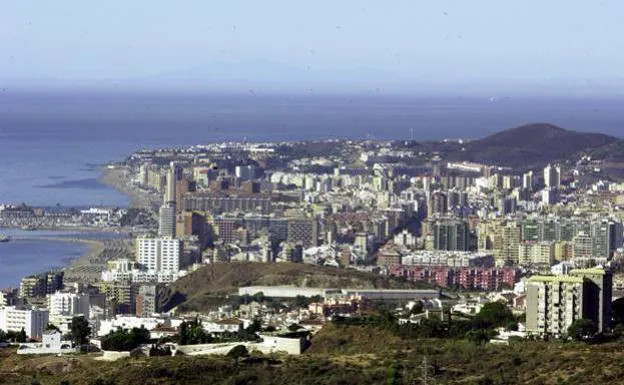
552 176
170 193
167 212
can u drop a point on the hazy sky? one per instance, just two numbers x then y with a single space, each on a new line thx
433 40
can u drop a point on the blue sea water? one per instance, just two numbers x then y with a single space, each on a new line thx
22 257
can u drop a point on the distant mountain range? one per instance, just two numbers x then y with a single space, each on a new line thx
530 145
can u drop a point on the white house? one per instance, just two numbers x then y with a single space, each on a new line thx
231 325
129 322
268 344
51 343
51 339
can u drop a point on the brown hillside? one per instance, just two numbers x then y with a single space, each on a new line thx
196 289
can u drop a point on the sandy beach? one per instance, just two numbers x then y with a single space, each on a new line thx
119 179
88 267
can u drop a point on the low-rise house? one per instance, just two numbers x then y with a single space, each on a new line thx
227 325
51 343
312 325
51 339
427 314
267 345
251 310
129 322
162 331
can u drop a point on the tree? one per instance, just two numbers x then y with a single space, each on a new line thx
238 351
511 326
617 308
197 334
493 314
294 327
21 336
156 350
618 330
480 336
583 329
52 327
121 340
431 328
258 297
417 308
80 330
184 334
301 301
391 375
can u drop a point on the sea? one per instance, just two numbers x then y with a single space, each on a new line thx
31 252
53 143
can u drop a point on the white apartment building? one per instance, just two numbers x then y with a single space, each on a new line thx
68 304
552 176
33 321
537 253
142 276
159 253
405 238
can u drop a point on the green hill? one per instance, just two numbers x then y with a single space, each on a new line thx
197 291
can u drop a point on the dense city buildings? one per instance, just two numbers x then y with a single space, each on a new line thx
536 240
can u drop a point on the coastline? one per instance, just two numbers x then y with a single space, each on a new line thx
87 268
117 177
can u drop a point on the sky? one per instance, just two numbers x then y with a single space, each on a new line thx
444 42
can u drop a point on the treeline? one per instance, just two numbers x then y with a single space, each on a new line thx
193 333
122 340
479 328
13 336
189 333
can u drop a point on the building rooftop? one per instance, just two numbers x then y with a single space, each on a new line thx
556 278
593 271
229 321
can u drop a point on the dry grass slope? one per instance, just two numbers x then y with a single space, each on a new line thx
200 287
343 355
